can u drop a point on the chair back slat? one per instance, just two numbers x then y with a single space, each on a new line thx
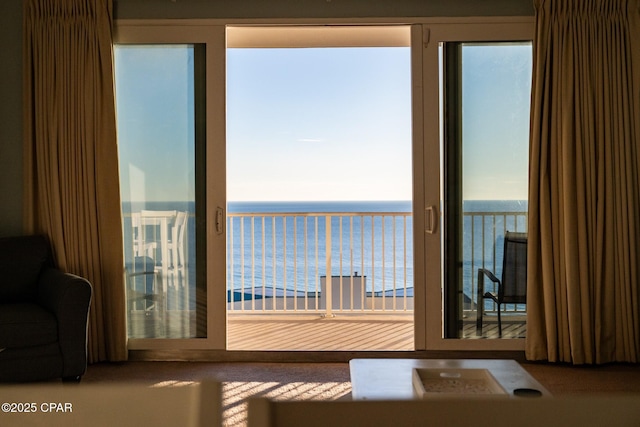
514 269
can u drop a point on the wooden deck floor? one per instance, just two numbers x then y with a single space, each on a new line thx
302 332
341 333
311 332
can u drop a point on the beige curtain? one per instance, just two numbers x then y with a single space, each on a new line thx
71 190
584 214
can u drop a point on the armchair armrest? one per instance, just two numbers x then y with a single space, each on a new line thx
68 297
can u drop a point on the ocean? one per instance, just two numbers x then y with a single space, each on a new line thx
276 256
299 269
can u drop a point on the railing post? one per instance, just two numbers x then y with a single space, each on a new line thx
329 278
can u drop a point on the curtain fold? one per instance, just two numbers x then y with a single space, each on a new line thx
71 190
584 187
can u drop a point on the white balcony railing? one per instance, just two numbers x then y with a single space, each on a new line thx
278 262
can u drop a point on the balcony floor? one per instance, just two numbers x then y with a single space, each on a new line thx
311 332
343 332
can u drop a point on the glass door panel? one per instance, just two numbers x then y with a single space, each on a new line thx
486 90
159 138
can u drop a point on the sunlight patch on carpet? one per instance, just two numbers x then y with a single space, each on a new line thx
174 383
235 395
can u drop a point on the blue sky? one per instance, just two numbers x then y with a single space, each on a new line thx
496 90
154 101
316 123
319 124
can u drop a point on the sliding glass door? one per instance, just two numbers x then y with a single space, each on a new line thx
170 186
468 171
483 131
486 92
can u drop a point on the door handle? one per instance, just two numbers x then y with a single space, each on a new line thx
431 219
220 220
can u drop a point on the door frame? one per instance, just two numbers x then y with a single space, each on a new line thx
426 34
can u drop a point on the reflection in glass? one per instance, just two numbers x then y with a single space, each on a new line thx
487 87
156 112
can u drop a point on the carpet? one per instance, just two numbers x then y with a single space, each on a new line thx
331 381
240 381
